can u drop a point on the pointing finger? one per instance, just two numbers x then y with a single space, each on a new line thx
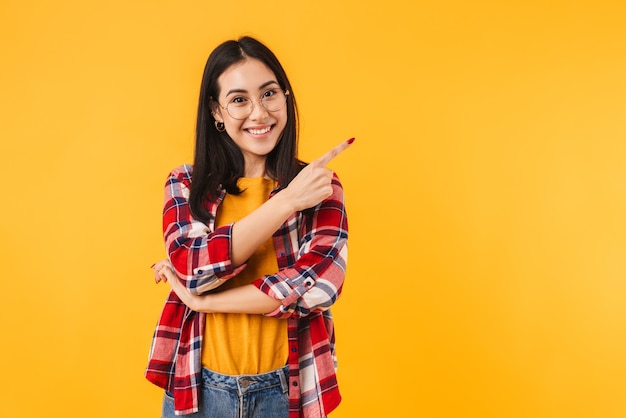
335 151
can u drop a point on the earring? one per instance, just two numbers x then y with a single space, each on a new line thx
220 126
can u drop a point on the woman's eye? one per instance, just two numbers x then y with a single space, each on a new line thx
269 93
239 100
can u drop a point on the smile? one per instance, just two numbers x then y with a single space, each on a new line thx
259 131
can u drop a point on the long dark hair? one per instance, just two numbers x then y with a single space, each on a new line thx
218 162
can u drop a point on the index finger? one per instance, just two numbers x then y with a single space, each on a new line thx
335 151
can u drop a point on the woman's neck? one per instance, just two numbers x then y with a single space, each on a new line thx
254 168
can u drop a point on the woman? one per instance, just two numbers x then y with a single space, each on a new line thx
257 251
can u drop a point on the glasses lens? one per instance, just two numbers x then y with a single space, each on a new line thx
240 108
273 99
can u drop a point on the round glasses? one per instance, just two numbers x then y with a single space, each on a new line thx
241 107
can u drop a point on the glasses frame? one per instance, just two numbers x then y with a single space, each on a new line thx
260 100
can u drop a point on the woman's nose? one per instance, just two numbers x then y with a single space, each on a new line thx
259 112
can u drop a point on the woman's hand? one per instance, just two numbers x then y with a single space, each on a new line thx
159 270
313 184
163 272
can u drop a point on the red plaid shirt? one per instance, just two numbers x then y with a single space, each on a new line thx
311 250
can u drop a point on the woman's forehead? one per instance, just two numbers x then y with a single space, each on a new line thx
249 75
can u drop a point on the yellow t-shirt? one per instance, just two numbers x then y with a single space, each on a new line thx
236 344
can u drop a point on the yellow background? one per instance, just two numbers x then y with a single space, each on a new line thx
486 194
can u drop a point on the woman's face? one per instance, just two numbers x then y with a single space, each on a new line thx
257 134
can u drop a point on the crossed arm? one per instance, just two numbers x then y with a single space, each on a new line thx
310 187
244 299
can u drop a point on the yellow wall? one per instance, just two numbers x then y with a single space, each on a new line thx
486 193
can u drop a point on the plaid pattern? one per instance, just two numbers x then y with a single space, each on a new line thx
311 250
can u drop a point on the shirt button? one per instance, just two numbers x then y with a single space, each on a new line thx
294 349
200 272
308 282
295 383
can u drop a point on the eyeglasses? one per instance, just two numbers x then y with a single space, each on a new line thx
241 107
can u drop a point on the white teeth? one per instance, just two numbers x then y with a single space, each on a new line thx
259 131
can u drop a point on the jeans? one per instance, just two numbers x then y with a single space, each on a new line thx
246 396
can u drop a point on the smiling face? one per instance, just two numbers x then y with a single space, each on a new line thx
256 135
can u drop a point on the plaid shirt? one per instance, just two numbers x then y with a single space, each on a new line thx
311 250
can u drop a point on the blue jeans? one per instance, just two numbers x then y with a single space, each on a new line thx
246 396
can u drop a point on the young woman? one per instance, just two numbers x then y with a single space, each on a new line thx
257 251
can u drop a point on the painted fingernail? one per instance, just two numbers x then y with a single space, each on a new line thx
351 140
152 266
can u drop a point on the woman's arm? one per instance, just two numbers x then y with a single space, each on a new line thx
310 187
244 299
312 283
203 258
199 253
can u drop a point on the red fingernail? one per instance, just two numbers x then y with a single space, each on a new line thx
351 140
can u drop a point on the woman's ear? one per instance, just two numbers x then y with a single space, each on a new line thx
216 112
217 117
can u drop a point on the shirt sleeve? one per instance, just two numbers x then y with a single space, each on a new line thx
314 281
199 254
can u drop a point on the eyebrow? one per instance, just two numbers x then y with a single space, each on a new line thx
261 87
